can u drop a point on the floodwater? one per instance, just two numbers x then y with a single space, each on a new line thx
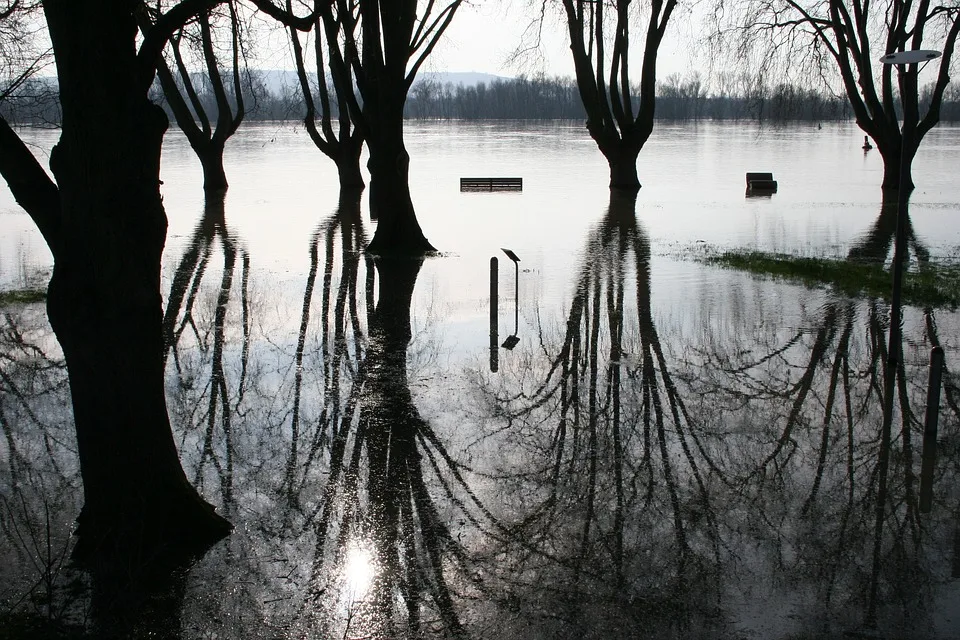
665 450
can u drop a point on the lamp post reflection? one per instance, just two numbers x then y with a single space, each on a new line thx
494 316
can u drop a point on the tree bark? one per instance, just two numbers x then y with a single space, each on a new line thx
348 165
104 299
623 167
398 231
891 167
214 176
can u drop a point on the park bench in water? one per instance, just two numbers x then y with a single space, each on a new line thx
761 183
491 184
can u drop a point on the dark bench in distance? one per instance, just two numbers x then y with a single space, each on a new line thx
762 182
491 184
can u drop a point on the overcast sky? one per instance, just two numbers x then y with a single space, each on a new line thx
483 35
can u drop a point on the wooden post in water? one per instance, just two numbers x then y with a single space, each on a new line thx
494 316
929 455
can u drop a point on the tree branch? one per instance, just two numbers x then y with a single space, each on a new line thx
30 185
162 30
286 18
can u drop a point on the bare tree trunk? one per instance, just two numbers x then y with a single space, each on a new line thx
211 159
398 230
891 167
104 298
623 167
348 165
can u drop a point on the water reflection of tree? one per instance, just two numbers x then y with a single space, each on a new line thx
38 470
618 487
336 361
330 453
208 343
380 497
834 504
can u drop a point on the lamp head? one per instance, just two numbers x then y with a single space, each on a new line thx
910 57
511 255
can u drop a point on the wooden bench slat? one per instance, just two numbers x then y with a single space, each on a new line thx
762 185
490 184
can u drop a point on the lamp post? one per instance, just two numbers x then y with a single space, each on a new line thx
512 340
894 345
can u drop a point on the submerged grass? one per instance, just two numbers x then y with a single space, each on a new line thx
930 285
22 296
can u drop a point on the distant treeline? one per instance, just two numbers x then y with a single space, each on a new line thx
548 98
522 98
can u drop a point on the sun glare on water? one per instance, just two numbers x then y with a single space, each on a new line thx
358 571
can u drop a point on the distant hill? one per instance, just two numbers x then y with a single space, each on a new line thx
465 78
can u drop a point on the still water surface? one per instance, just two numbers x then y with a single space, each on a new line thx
670 450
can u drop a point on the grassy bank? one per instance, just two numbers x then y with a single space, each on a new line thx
22 296
932 285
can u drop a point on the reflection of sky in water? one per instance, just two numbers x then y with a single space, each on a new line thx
693 177
282 189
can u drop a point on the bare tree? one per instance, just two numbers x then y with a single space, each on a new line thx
395 40
207 139
600 43
343 147
848 37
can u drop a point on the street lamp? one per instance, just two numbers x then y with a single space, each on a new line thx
512 340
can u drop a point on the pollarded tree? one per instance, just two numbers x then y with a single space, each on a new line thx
600 42
396 37
345 145
849 37
208 140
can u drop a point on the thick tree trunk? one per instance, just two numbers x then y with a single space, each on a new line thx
891 172
891 155
211 159
348 166
621 154
623 167
398 231
104 298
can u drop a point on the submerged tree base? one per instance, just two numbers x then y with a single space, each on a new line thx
933 285
412 248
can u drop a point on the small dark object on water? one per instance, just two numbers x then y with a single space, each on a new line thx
760 183
491 184
866 144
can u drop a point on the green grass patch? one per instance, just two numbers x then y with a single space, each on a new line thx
22 296
930 285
